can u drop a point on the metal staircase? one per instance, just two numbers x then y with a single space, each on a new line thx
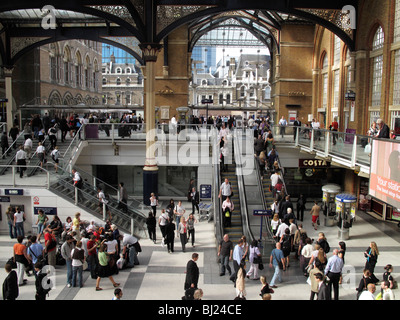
132 222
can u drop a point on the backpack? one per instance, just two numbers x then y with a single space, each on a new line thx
286 243
325 245
52 244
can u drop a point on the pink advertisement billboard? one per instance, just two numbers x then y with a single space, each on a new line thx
384 183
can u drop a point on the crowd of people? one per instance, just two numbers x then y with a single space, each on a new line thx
78 244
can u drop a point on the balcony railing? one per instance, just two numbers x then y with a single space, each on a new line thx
350 149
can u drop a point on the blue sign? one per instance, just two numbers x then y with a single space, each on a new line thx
262 212
205 191
14 192
48 211
4 199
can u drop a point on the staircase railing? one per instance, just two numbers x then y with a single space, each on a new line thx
14 180
133 221
70 152
95 182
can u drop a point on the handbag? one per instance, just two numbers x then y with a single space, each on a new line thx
257 260
280 264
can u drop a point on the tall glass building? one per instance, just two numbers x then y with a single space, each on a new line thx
208 55
121 56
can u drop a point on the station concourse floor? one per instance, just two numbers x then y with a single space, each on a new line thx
161 275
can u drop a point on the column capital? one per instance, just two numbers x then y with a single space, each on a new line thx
150 51
8 70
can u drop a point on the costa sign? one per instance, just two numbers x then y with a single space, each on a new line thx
313 163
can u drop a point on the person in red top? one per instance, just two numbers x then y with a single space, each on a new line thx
92 245
334 127
50 243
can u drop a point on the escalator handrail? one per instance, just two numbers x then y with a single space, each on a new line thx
219 231
241 190
266 219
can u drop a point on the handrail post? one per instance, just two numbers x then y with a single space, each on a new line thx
327 142
354 152
132 225
312 139
296 141
112 132
13 175
76 196
104 211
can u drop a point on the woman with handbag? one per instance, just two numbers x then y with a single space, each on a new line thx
255 260
365 280
227 209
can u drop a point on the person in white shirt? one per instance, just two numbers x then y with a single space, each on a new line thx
173 125
52 136
368 294
41 153
78 183
19 217
227 209
281 230
179 211
223 132
282 125
274 179
306 254
162 222
316 126
55 155
28 145
20 159
386 292
225 190
78 257
128 244
103 202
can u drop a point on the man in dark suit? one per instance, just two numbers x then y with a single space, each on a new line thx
296 123
323 293
384 130
192 272
195 198
284 206
10 284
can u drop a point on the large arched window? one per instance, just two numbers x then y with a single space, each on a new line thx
55 60
95 75
78 69
395 113
88 71
324 80
67 65
376 55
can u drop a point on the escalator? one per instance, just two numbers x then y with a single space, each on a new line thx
235 232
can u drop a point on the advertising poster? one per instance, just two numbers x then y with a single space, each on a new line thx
384 183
